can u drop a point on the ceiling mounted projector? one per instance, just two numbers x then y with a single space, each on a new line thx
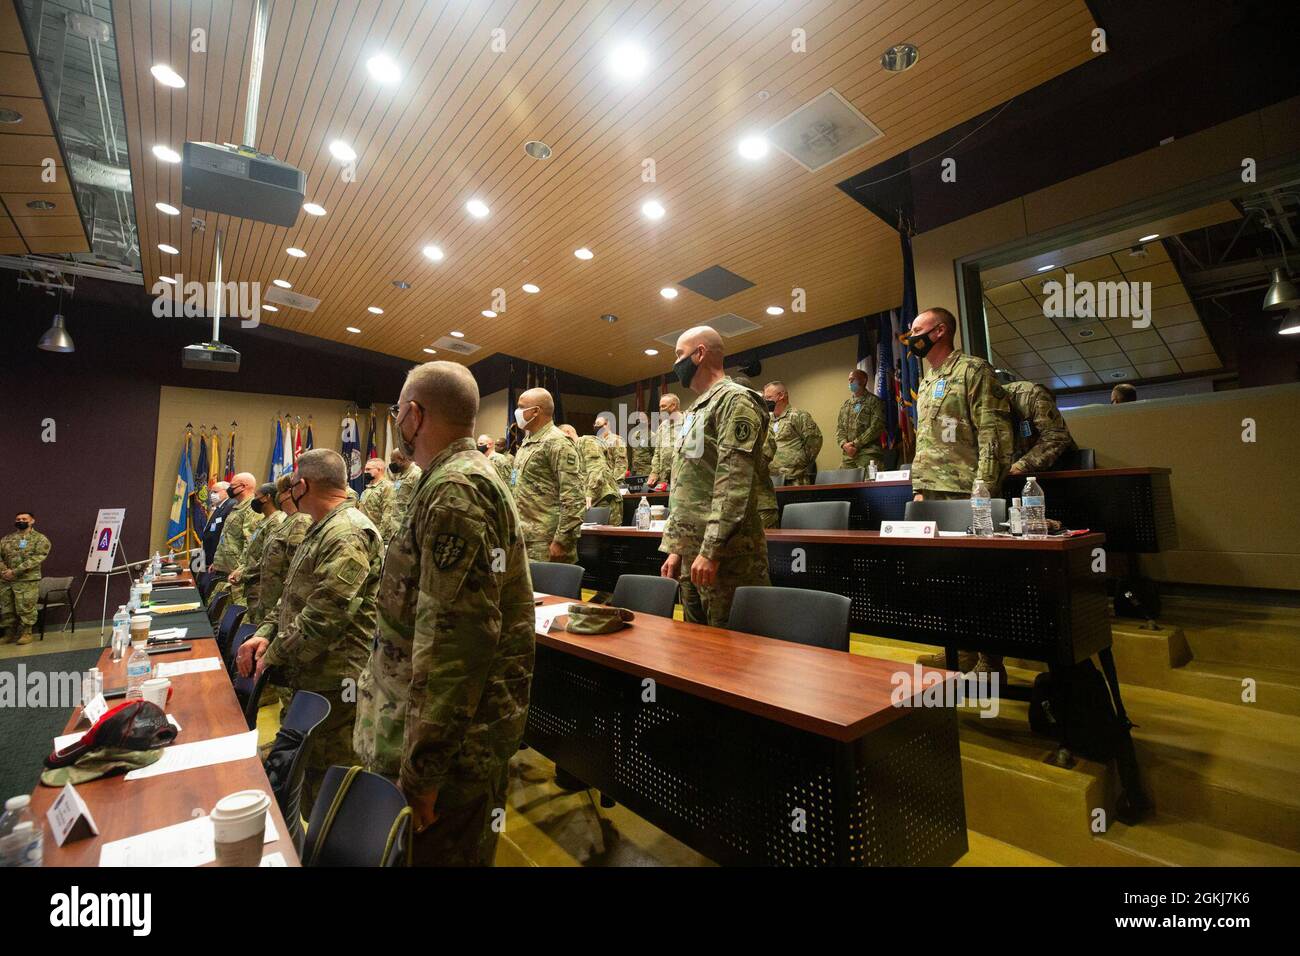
210 357
240 181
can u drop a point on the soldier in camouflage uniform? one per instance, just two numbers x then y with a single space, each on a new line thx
1041 434
640 448
615 448
861 421
547 482
670 426
319 637
377 497
277 553
501 463
598 486
238 529
503 450
22 552
245 580
405 476
444 697
963 430
798 439
714 538
769 513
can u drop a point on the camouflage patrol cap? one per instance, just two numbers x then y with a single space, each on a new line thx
100 763
597 619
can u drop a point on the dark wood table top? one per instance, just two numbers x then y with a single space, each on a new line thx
1090 540
205 706
832 693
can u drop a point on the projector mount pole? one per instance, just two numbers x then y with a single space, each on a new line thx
217 293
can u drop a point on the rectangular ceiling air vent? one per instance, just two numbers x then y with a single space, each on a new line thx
823 130
726 325
294 300
459 346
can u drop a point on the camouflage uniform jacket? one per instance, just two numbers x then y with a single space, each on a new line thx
547 482
1040 430
718 471
22 552
404 485
503 464
377 502
235 533
321 630
443 700
963 427
615 452
250 565
598 481
798 442
277 555
861 420
766 495
665 443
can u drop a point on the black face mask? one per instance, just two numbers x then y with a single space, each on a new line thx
297 499
771 405
685 370
394 468
920 345
483 449
256 505
21 525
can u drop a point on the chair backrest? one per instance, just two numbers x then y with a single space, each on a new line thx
217 606
598 515
645 594
816 618
816 515
253 702
778 481
242 633
562 580
53 588
952 515
231 618
203 581
1076 459
305 713
368 824
839 476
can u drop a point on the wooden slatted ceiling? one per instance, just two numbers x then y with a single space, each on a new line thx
23 147
455 126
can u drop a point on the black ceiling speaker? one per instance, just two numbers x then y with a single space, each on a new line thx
365 396
752 369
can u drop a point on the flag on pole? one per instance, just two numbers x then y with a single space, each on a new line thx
277 451
199 490
214 458
230 454
371 450
286 456
388 437
910 371
351 449
310 444
178 524
297 442
885 378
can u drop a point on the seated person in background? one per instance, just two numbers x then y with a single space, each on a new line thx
21 554
860 424
1041 434
1124 392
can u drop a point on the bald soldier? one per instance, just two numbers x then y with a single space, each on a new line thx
963 428
599 488
547 482
860 423
615 449
319 637
444 697
1041 435
238 526
798 439
769 514
714 538
670 426
405 475
377 497
245 580
22 552
498 461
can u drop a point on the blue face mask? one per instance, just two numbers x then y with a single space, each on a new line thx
853 388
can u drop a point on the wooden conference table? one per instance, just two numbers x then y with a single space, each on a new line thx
205 706
749 749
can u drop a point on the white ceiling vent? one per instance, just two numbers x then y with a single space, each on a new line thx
822 131
459 346
294 300
726 325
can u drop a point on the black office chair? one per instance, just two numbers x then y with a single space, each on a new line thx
231 618
778 481
1076 459
55 592
598 515
286 763
562 580
360 819
839 476
217 607
953 515
645 594
815 618
253 701
816 516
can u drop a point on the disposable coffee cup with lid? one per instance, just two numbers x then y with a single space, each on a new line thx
239 827
140 626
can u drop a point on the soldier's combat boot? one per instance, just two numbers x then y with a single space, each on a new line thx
25 639
991 664
965 660
8 635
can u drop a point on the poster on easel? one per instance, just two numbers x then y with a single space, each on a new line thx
104 541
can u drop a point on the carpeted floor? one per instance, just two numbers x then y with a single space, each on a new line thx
27 733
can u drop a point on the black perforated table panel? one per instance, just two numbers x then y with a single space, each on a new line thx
745 790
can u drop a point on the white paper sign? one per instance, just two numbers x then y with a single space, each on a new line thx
182 844
902 475
103 542
909 529
546 615
169 633
69 816
197 666
95 708
202 754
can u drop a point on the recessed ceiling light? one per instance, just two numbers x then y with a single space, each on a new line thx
529 287
353 329
652 210
628 61
164 208
40 204
583 253
170 250
296 252
10 116
753 147
270 308
432 351
900 57
537 149
374 310
165 75
774 310
401 284
668 292
1154 235
1087 333
1045 268
168 279
489 314
477 208
432 253
166 154
342 151
313 209
457 335
383 69
651 351
1118 373
281 283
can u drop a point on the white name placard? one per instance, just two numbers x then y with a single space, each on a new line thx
909 529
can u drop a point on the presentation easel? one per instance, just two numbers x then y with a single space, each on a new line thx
105 547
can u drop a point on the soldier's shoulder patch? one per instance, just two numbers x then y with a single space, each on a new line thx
448 548
744 431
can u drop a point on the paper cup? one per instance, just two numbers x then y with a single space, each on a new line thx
140 627
239 828
157 690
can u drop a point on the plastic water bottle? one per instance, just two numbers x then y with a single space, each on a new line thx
121 633
138 670
871 469
1015 520
171 555
981 506
22 838
1035 508
157 564
643 514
